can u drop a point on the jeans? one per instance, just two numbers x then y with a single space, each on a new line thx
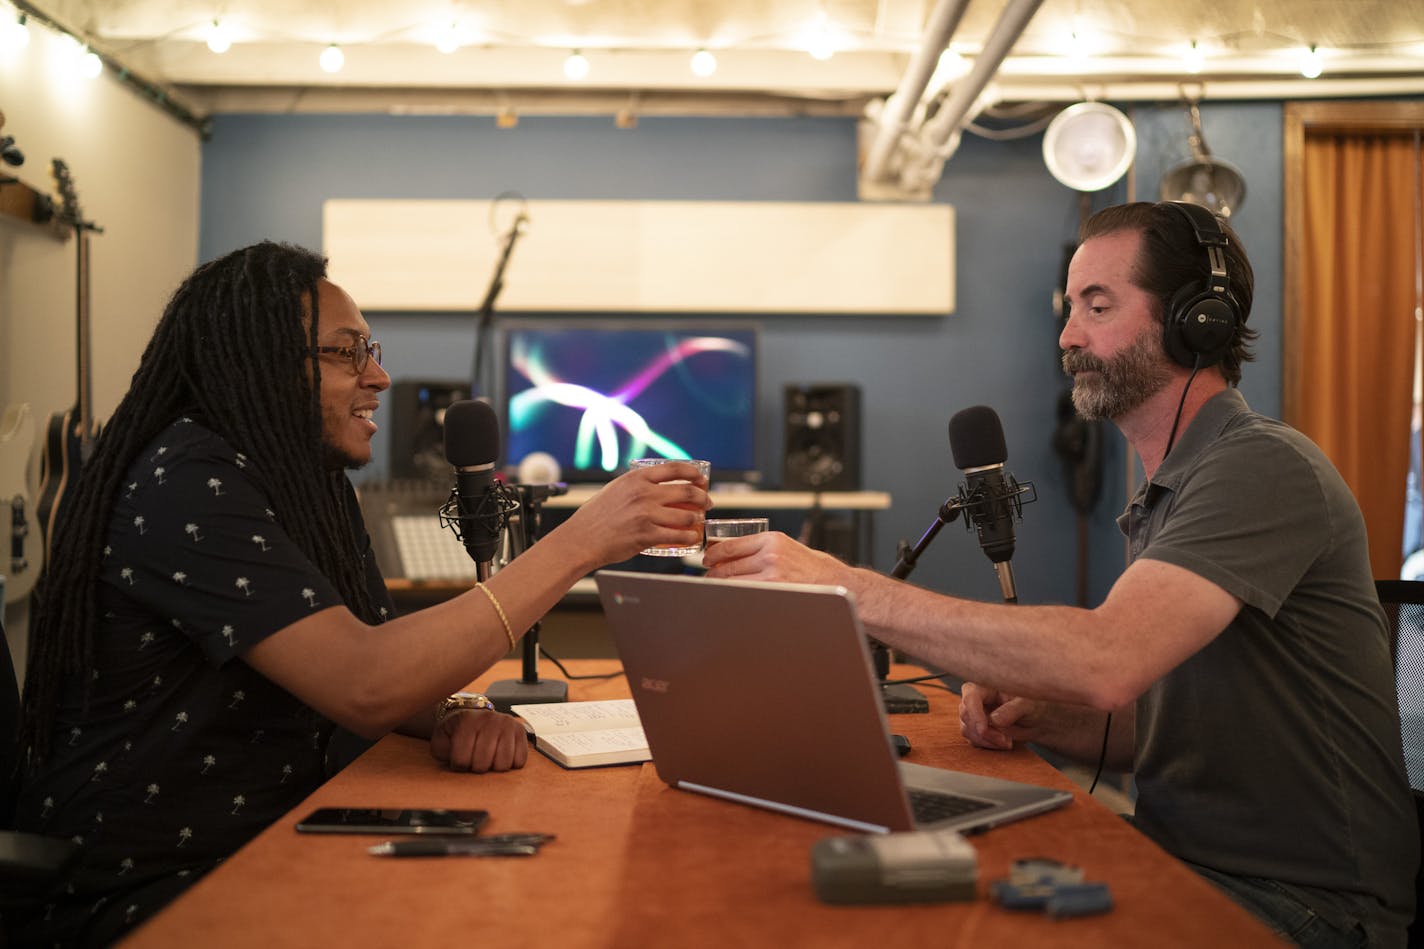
1287 915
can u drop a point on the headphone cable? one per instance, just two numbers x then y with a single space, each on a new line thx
1181 404
1171 440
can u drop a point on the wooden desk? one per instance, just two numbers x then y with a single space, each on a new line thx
639 864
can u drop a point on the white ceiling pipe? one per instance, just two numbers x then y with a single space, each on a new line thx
895 114
939 137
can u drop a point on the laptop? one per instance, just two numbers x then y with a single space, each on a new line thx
765 694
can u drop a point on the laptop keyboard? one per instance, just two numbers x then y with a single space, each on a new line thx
931 806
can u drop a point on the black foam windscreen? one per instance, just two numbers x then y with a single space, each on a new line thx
976 438
471 434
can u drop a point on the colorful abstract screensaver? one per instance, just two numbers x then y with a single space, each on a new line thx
595 396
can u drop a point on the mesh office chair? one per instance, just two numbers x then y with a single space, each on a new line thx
1403 602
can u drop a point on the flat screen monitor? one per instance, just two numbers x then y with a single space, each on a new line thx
595 394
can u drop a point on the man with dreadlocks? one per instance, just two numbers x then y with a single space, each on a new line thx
212 612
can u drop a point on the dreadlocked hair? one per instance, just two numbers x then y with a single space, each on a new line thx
232 345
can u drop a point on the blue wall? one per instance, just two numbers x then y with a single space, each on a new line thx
267 176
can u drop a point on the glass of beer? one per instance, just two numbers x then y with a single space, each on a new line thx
724 527
673 550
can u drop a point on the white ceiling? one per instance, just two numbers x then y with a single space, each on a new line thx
639 50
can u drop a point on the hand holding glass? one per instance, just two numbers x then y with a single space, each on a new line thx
727 527
673 550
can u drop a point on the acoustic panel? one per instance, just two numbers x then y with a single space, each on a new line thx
648 256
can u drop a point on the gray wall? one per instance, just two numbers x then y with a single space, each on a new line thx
267 176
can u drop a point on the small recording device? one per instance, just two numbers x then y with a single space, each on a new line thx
920 866
341 820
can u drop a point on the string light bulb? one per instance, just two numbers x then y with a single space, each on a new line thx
447 40
820 44
332 58
1312 63
15 35
576 66
703 63
219 37
1079 47
90 65
1195 60
78 58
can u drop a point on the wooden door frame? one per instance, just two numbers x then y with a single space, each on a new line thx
1383 117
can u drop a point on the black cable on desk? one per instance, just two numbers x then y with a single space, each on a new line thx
934 677
570 676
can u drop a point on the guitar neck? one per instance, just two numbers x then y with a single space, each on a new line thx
71 216
82 344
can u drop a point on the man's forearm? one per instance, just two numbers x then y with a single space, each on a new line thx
1077 732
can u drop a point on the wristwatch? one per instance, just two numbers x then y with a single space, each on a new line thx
460 701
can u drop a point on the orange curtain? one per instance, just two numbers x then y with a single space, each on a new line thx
1357 328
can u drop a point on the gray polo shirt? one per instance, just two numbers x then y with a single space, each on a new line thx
1274 751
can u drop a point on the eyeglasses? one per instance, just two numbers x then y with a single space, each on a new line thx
362 353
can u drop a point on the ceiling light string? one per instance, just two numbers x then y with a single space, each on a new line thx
148 89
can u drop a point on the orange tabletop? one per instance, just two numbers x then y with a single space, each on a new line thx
636 863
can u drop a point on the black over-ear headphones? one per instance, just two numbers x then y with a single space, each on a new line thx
1202 317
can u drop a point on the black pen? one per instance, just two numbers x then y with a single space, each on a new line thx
502 845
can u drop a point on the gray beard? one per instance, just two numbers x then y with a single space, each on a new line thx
1121 383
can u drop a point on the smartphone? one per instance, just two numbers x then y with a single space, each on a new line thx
343 820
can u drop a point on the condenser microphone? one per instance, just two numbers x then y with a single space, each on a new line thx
991 496
472 446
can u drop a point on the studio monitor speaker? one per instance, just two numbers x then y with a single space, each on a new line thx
822 437
418 427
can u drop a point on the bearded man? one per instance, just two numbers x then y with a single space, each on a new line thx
1240 666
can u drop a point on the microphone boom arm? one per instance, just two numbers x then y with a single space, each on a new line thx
496 283
1017 496
486 319
909 557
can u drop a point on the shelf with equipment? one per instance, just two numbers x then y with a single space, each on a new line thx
420 558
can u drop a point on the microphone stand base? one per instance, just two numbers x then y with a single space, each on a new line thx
898 698
507 692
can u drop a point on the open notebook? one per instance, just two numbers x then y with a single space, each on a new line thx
764 693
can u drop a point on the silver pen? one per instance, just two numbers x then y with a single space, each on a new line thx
502 845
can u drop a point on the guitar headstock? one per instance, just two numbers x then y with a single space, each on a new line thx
69 213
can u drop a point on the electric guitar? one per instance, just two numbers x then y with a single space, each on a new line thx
20 559
70 437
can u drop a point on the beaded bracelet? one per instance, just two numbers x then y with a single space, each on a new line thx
500 610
